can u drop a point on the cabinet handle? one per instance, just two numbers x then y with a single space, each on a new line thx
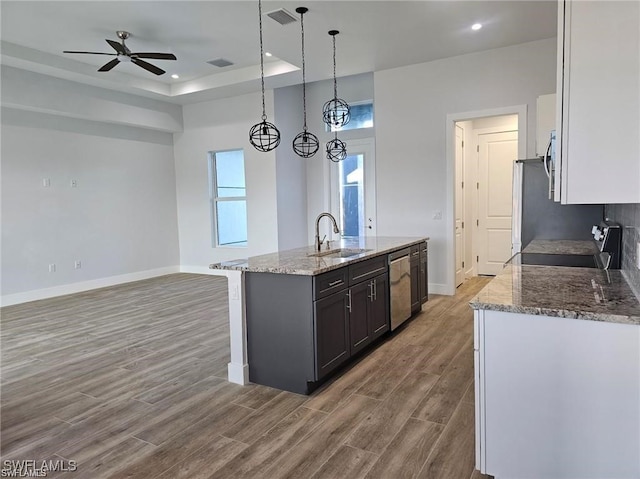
349 301
416 253
335 283
375 289
370 295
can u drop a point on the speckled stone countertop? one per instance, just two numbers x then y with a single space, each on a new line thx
561 247
298 261
580 293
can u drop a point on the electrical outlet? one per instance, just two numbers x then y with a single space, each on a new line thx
74 183
437 215
52 268
46 182
77 264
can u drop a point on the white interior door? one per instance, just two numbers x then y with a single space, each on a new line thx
353 189
459 206
496 155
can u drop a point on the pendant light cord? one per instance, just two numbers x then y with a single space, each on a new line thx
304 88
264 110
335 83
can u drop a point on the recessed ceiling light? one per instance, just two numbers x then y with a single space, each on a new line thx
175 77
476 26
267 54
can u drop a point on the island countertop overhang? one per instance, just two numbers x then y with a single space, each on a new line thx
300 262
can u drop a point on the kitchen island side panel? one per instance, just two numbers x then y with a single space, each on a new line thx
280 341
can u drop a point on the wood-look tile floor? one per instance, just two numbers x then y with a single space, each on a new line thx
130 382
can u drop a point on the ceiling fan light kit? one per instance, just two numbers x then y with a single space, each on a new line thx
123 54
305 144
263 136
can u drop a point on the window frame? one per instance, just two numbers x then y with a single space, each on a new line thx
214 199
329 129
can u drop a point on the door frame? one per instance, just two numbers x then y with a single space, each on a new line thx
452 118
367 146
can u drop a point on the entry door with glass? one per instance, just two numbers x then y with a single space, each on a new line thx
353 189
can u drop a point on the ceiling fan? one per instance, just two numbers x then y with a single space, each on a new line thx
123 54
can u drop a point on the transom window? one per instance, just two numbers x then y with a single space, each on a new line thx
361 117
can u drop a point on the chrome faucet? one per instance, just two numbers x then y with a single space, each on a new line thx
335 229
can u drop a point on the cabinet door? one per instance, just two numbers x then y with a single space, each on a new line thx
424 275
599 107
359 328
379 318
415 286
331 332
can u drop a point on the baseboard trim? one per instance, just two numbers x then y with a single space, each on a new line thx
437 288
64 289
198 270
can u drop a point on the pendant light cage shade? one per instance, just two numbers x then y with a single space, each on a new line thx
336 150
263 136
306 144
336 113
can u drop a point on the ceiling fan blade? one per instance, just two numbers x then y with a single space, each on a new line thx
108 66
148 66
157 56
116 46
92 53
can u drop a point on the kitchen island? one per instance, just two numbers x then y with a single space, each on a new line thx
298 315
557 373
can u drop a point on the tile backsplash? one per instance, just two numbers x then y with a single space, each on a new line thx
628 215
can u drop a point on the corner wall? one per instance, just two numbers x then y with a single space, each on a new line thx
119 220
214 126
411 105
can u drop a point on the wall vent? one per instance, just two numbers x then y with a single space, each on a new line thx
282 16
220 62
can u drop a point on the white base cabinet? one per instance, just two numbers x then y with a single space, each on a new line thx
556 398
598 116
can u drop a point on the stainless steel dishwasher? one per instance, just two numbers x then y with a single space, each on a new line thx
400 287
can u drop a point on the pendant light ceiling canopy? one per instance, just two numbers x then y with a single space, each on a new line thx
264 136
305 144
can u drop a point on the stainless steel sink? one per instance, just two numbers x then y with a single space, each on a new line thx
339 253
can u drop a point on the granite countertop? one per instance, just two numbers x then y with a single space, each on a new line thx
298 261
579 293
561 247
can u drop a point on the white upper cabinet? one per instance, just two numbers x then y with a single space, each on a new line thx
598 110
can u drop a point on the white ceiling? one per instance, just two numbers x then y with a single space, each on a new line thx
374 35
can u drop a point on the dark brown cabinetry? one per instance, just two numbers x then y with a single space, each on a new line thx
301 328
331 332
424 273
369 311
414 262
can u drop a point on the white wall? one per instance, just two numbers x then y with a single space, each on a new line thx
291 170
120 221
213 126
411 106
352 89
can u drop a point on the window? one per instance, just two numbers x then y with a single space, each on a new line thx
361 117
228 198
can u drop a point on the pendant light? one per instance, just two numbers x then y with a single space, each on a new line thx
305 144
336 112
264 136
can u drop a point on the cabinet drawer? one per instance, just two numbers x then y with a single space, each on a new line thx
367 269
330 282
